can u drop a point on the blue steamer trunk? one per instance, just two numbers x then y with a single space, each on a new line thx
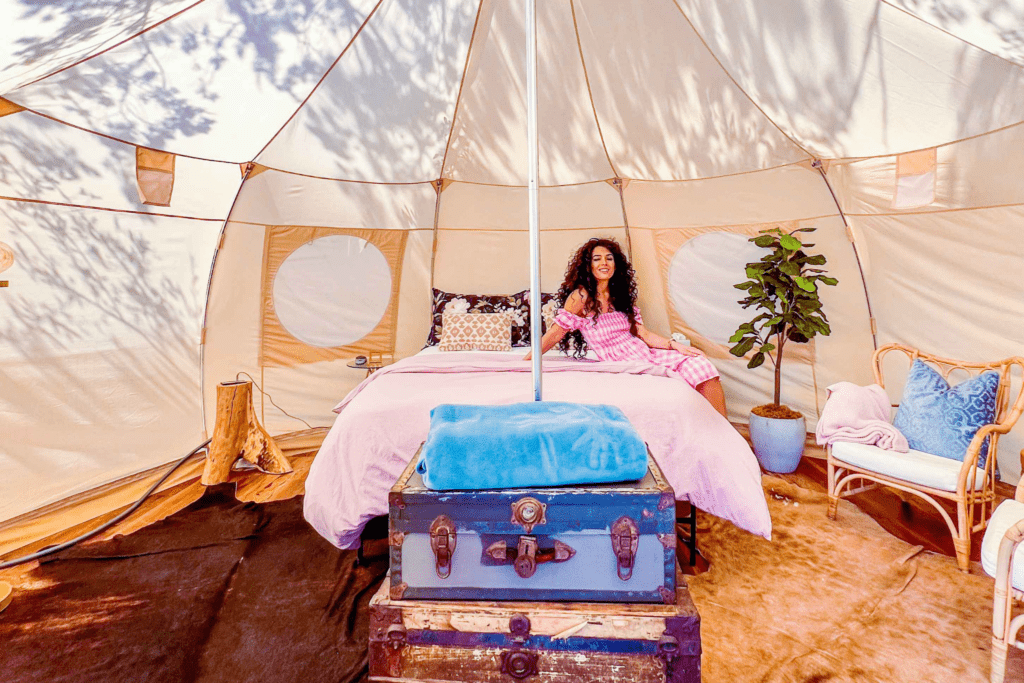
593 543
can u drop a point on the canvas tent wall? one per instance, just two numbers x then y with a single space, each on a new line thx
383 150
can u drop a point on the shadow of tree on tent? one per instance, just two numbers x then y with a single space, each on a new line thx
99 332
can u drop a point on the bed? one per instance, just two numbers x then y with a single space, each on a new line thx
384 420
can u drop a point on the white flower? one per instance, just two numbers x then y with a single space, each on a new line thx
457 306
549 307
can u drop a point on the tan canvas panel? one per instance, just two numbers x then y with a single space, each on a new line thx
280 346
234 312
968 308
217 96
277 198
384 111
855 78
659 95
493 262
488 143
413 320
788 193
974 173
468 206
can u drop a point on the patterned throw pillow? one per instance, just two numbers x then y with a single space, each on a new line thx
549 305
476 332
942 420
448 302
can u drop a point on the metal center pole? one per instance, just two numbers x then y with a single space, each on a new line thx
533 173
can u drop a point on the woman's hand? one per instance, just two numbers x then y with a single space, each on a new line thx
684 349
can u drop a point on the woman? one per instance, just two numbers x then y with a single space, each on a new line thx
599 311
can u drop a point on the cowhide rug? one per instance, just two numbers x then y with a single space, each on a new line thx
836 601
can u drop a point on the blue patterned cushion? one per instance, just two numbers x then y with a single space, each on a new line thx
942 420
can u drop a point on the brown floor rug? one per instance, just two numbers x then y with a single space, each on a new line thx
837 601
229 591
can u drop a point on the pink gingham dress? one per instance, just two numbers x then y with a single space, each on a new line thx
611 340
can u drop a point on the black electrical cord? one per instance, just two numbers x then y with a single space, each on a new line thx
103 527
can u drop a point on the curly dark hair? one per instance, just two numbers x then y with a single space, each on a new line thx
621 290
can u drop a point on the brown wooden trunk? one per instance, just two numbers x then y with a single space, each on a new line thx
237 433
542 642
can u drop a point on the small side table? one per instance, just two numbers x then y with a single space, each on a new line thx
370 366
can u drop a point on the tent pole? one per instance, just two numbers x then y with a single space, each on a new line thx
816 164
533 172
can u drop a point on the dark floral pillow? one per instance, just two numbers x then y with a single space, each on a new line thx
549 305
518 303
471 303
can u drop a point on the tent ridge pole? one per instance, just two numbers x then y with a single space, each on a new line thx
533 171
856 252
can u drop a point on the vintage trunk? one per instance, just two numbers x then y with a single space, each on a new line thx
597 543
488 642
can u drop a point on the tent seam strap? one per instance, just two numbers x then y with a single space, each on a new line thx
951 34
323 78
47 202
458 97
590 92
83 60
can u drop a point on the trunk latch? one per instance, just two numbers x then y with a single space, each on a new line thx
442 542
625 539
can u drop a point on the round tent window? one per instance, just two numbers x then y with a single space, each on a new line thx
332 291
701 278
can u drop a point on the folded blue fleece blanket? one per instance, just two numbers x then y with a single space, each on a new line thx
529 445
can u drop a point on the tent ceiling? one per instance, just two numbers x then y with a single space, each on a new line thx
645 89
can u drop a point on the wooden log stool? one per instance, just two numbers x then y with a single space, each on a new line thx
237 433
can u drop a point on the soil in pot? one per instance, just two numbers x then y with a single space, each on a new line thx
776 412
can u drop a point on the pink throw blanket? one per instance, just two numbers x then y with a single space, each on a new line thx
383 421
859 415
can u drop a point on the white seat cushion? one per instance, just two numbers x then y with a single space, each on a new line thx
1006 515
923 469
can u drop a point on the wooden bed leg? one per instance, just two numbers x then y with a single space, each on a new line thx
236 433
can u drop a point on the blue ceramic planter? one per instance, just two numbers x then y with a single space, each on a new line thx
778 444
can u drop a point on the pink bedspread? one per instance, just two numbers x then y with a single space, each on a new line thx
383 421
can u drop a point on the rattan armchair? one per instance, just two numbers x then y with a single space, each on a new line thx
1004 625
971 488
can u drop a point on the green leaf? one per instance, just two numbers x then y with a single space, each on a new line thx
753 272
764 241
737 336
768 347
827 280
805 230
805 284
791 243
796 336
816 260
756 361
743 347
745 285
774 321
790 268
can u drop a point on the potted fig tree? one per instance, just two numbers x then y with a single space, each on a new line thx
783 288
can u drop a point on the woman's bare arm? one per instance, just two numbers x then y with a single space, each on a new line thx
656 341
548 341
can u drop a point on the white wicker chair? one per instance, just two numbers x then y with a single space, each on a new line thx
930 476
1004 534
